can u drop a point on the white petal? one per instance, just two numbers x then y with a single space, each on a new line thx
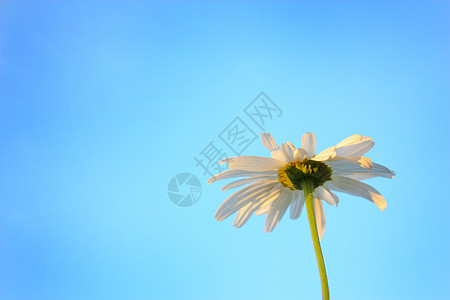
239 173
383 170
297 204
357 176
309 143
243 215
347 169
267 199
327 195
291 145
226 160
325 154
377 171
361 161
268 202
354 187
240 198
255 163
320 216
279 155
245 181
262 210
246 212
288 151
268 141
363 176
277 211
300 154
234 198
355 148
350 140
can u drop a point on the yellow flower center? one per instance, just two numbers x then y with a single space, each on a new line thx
296 173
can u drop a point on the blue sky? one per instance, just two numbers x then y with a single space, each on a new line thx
101 104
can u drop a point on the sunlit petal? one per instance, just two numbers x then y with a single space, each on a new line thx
355 147
354 187
247 180
239 173
320 217
297 204
327 195
255 163
300 154
288 151
309 143
277 211
268 141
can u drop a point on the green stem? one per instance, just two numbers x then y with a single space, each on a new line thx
308 190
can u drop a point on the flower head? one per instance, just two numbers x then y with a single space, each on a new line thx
274 184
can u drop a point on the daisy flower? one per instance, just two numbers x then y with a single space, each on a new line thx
275 183
293 177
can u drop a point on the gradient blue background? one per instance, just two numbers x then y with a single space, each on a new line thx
102 103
